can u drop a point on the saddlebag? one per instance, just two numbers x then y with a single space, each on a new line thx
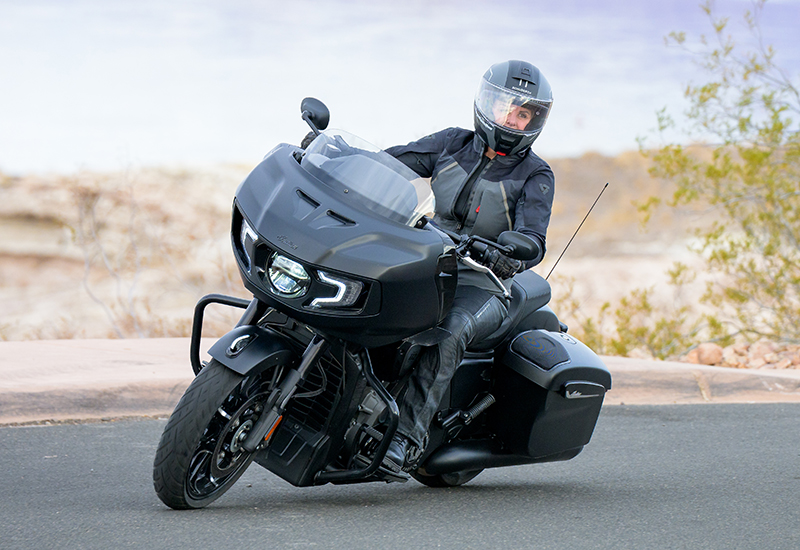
549 389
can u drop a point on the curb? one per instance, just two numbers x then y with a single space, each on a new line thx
69 380
641 382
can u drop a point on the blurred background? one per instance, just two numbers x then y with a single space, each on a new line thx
98 84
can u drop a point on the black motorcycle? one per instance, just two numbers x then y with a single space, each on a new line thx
350 281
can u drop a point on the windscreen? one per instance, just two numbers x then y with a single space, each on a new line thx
368 176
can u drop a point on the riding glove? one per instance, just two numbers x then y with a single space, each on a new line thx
503 266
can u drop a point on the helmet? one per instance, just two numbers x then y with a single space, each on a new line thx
511 106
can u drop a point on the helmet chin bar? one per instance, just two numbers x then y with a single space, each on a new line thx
501 140
507 144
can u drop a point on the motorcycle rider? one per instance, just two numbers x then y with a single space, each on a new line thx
485 182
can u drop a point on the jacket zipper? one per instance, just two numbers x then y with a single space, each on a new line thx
466 189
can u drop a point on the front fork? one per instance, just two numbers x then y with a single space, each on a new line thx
280 396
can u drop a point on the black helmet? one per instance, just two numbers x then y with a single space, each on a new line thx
511 106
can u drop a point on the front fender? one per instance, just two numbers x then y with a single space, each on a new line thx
248 347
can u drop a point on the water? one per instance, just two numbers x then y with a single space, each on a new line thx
91 84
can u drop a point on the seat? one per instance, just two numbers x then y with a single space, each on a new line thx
529 292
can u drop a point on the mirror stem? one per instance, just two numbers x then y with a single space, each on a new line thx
307 118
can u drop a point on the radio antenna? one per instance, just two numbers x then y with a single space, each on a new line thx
576 231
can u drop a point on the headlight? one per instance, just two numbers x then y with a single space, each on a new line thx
288 278
247 232
347 291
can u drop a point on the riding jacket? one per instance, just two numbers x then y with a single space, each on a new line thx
478 195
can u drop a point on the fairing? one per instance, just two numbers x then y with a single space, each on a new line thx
311 212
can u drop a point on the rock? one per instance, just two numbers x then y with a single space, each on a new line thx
772 358
692 357
740 349
760 349
731 357
762 354
709 354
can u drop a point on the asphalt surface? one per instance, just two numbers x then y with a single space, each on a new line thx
62 380
80 421
653 477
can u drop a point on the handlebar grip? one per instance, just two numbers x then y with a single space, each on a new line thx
480 249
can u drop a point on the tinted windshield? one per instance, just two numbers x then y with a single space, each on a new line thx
368 176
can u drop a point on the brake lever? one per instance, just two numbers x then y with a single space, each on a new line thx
464 246
472 264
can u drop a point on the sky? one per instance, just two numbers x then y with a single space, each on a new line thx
110 84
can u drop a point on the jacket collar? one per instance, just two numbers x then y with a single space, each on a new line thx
480 147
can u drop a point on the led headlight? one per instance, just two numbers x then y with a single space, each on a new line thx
347 291
288 278
247 232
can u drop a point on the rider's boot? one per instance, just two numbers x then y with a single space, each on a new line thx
395 459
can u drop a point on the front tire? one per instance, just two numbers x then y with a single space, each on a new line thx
199 456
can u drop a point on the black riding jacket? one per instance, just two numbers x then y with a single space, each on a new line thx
479 196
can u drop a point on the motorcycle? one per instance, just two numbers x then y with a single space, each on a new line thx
350 281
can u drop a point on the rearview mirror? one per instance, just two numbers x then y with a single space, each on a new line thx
522 246
315 113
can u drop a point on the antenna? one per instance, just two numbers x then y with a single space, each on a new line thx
576 231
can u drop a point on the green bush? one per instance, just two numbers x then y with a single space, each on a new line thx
746 171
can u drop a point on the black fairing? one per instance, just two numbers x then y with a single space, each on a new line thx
409 274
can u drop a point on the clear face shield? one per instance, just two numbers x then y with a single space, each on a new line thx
514 111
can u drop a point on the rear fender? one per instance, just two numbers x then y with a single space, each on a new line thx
249 347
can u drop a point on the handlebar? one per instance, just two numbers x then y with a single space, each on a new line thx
474 246
473 251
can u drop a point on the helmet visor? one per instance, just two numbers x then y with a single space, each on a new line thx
512 110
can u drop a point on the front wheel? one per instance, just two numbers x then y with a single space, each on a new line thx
446 480
199 456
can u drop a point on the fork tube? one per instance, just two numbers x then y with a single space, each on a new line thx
280 396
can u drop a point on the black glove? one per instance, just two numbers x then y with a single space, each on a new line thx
501 265
307 140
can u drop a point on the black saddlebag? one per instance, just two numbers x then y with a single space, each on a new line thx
549 389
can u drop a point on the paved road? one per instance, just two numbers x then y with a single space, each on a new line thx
689 476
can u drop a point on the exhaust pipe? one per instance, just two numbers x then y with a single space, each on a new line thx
460 456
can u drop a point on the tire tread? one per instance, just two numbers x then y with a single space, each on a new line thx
182 433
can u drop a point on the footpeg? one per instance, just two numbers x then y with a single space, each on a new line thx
481 406
372 432
453 424
388 471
